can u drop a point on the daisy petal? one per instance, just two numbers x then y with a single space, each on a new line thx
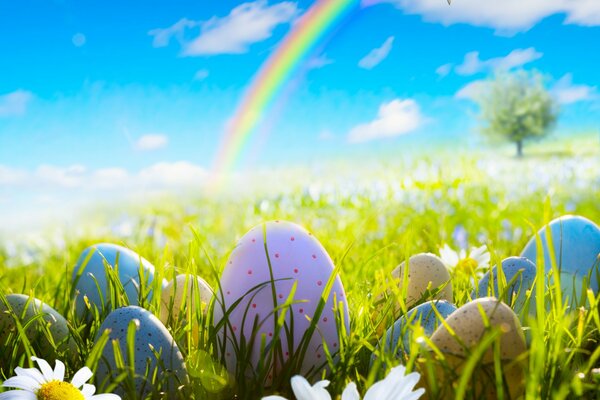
88 390
350 393
32 373
21 382
17 395
45 368
108 396
81 377
59 370
264 398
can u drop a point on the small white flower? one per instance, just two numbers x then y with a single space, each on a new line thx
47 384
395 386
478 258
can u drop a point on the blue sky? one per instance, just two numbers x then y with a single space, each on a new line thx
121 91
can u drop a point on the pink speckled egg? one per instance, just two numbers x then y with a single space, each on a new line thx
259 276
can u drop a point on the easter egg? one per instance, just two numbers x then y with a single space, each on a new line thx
153 346
423 315
576 243
426 273
464 330
91 282
181 295
519 274
27 310
274 264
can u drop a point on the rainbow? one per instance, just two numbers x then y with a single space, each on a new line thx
307 33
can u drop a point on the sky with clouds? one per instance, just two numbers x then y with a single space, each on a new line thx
131 93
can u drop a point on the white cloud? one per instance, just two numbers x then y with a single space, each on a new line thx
162 37
472 64
150 142
51 178
78 39
377 55
506 17
319 62
395 118
246 24
15 103
472 90
566 92
201 74
443 70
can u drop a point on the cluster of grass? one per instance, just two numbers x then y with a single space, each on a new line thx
369 222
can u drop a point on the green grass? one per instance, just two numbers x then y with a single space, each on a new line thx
369 221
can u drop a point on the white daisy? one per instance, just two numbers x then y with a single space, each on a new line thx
47 384
395 386
478 258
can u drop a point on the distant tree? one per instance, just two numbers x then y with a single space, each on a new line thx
517 107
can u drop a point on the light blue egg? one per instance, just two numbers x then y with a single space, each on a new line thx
520 277
90 279
154 348
576 242
423 315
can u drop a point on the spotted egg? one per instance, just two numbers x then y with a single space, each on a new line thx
279 263
462 333
153 348
399 336
576 243
426 274
90 278
519 274
180 297
27 310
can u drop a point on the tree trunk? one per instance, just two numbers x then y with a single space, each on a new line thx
519 148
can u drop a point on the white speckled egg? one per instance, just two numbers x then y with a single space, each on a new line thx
92 281
468 325
422 315
576 242
151 336
27 309
521 272
424 270
260 273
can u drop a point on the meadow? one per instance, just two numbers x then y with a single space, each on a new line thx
370 216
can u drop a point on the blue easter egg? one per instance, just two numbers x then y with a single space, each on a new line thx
519 273
576 242
423 315
89 276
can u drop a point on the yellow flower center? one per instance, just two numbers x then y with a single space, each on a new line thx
59 390
467 265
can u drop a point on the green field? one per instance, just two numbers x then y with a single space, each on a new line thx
369 219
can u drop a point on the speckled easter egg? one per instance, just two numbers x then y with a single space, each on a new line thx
399 336
469 329
260 274
576 242
151 339
27 310
181 295
90 277
425 271
519 274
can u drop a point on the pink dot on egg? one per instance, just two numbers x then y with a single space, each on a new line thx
301 310
314 256
318 355
254 305
253 240
292 239
270 334
228 292
325 319
234 328
295 270
319 283
276 255
249 272
334 344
